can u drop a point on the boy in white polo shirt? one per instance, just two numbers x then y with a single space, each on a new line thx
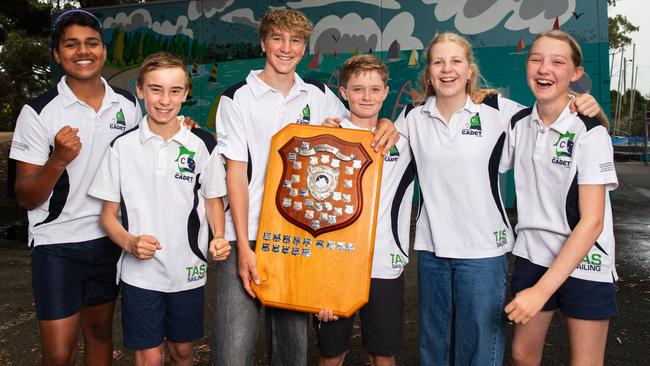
165 180
249 114
59 141
364 79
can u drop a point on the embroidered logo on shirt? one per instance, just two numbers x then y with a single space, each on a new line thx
473 126
305 116
118 122
564 149
397 261
195 273
186 164
393 154
500 237
591 262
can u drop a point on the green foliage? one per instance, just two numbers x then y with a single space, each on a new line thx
25 63
618 27
24 56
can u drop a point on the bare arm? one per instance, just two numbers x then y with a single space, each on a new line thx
219 247
530 301
237 184
142 247
34 183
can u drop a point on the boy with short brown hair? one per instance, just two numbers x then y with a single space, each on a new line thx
165 181
364 85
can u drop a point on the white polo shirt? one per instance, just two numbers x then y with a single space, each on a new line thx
69 215
550 163
394 213
458 174
160 186
248 116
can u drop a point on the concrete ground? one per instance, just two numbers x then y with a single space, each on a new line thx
628 340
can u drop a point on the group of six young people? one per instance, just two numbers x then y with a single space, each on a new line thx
460 136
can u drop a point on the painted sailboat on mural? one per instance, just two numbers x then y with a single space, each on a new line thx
521 46
316 61
414 58
394 52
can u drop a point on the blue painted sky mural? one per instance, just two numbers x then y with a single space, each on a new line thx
219 40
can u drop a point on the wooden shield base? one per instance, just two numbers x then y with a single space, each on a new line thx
307 268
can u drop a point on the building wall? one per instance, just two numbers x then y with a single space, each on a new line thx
221 35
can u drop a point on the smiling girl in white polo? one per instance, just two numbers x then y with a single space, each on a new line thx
564 169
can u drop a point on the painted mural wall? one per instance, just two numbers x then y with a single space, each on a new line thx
219 41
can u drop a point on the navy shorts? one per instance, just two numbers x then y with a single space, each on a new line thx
149 317
67 276
382 322
576 298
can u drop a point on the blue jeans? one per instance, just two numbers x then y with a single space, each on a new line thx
236 318
462 321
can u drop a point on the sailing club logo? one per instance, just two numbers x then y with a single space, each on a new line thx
118 122
473 126
393 154
186 164
564 149
305 116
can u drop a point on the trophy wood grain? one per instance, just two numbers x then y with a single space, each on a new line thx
335 279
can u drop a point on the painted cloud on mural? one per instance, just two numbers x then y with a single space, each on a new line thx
400 28
386 4
345 35
139 18
196 8
241 16
169 29
477 16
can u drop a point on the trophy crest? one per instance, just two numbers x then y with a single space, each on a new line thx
317 223
320 186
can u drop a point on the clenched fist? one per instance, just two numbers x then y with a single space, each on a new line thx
143 247
67 145
219 249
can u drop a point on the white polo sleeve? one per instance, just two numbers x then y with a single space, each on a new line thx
213 179
30 143
402 125
508 154
138 115
334 106
596 158
231 130
507 109
106 184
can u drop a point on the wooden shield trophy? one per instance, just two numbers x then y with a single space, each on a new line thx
317 224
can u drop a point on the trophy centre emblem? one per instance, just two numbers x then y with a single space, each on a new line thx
322 181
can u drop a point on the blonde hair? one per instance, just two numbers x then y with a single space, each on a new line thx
473 87
287 20
161 60
359 64
576 58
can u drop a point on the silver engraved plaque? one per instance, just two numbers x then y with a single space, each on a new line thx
322 181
